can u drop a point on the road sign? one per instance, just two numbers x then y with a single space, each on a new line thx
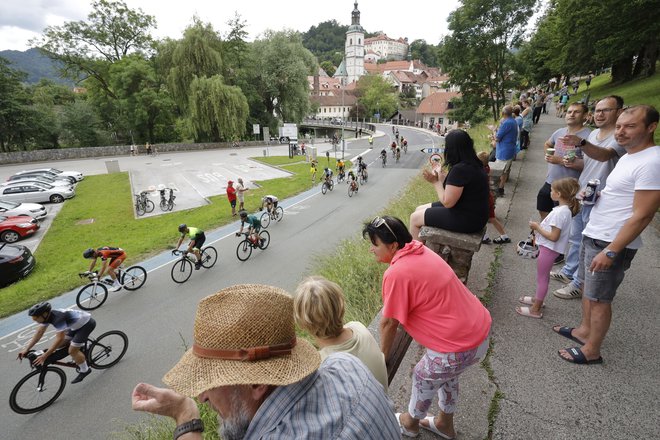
432 150
255 128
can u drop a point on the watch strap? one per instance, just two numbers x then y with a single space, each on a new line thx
194 425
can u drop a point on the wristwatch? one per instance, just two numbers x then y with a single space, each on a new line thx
583 142
194 425
610 254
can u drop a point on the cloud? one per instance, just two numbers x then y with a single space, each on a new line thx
35 15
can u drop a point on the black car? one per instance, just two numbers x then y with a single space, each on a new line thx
16 262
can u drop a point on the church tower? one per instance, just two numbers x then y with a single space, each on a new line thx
354 49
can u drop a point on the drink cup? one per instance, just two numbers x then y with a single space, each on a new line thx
549 151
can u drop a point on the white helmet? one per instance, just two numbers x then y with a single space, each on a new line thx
527 249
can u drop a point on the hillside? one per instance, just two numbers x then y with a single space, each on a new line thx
36 65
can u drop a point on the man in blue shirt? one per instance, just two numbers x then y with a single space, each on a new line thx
505 149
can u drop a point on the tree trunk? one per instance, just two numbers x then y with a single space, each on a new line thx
639 63
650 58
622 69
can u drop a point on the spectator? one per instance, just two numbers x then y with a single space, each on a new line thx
422 293
247 363
462 192
505 147
519 121
538 106
601 153
240 194
588 81
319 309
132 149
492 219
231 196
527 124
611 238
552 239
148 148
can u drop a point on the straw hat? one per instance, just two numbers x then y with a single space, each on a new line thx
244 334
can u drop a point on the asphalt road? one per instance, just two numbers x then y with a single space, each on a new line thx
158 318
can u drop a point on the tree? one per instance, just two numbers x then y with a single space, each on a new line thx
377 95
325 39
15 113
427 53
81 127
328 67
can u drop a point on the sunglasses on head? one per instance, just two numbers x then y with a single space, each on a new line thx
379 221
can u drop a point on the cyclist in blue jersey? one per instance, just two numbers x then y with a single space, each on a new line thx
197 239
254 226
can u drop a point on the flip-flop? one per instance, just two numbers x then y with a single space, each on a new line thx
528 301
403 429
433 428
577 357
567 333
526 311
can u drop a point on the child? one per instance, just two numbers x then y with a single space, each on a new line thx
503 238
319 309
552 239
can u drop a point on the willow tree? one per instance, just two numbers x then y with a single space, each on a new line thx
217 111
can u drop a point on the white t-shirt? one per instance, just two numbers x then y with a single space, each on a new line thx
560 218
559 171
634 172
594 169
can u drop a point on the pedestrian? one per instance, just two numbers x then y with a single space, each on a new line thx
505 148
588 81
319 310
421 292
148 148
527 124
552 239
611 238
492 219
538 107
231 196
132 149
312 170
302 148
240 193
247 363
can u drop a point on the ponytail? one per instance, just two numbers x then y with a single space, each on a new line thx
568 188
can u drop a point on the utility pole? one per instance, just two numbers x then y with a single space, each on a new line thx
343 121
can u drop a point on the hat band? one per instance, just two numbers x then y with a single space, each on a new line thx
245 354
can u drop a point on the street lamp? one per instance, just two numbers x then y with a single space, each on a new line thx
343 141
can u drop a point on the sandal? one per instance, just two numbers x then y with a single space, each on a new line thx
527 311
577 357
434 429
527 300
405 432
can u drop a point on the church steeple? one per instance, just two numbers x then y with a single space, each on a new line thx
355 18
354 47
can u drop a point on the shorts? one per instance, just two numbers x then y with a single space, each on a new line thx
233 203
543 201
79 336
115 262
438 216
602 285
507 165
199 240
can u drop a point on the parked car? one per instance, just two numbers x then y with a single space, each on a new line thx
41 179
16 262
32 173
36 193
15 228
75 174
34 210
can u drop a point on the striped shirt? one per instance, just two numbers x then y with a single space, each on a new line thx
341 400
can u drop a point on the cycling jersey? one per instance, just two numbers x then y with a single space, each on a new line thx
328 172
253 221
362 166
269 198
193 233
66 319
107 252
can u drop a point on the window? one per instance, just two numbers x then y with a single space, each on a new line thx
350 41
359 40
440 120
13 190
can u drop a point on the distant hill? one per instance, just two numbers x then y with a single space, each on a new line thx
36 65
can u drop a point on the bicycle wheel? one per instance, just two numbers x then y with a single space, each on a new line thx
331 185
107 349
265 219
324 188
362 179
209 257
350 190
182 270
149 206
244 250
163 205
279 213
133 278
92 296
38 390
170 205
265 236
139 208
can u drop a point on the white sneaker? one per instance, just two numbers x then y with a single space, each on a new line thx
560 276
115 287
568 292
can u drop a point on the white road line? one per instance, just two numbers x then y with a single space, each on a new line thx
196 190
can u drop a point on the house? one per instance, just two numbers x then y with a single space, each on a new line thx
387 48
432 111
335 106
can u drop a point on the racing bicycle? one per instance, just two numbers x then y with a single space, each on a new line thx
143 204
352 188
94 294
341 175
183 268
383 158
274 214
244 248
328 184
44 384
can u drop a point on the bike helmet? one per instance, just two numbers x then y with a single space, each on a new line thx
39 309
527 249
183 227
242 213
89 253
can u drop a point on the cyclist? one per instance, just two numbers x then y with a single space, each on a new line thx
254 226
405 144
111 258
73 328
393 147
340 165
396 135
269 202
351 179
197 239
383 156
397 153
327 175
393 129
371 140
362 168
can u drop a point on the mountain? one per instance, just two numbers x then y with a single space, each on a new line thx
36 65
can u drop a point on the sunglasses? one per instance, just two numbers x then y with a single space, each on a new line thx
379 221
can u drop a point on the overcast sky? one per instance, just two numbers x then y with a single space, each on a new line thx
21 20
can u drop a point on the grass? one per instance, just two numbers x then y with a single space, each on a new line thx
59 256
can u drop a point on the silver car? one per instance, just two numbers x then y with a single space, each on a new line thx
76 175
33 173
38 179
34 210
35 193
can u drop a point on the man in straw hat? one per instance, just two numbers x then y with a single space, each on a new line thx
248 365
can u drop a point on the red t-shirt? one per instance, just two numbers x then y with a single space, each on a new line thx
231 193
422 292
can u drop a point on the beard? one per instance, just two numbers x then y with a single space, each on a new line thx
234 428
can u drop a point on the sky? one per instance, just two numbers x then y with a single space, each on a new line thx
25 19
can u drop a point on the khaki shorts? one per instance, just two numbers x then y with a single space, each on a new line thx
507 166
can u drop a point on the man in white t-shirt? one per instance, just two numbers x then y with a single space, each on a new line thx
601 153
626 206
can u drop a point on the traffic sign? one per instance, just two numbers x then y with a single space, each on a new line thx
431 150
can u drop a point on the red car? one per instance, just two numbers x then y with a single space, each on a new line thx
13 228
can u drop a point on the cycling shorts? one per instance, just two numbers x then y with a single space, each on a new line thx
79 336
115 262
199 240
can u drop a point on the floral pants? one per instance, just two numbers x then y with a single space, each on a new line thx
438 373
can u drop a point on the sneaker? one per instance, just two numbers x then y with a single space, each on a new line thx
115 287
486 240
559 276
559 259
81 376
568 292
502 240
198 265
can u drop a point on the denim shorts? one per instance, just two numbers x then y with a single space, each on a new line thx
601 285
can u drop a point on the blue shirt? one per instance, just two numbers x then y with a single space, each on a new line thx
507 136
341 400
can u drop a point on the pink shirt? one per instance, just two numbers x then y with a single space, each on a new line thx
422 292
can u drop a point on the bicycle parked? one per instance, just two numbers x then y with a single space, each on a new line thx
166 204
275 214
93 295
244 248
143 204
183 268
45 383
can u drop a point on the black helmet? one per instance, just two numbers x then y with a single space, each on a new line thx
242 213
39 309
89 253
183 227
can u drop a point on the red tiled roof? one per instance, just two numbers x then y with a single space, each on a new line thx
349 100
437 103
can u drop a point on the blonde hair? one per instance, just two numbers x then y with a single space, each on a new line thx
319 307
483 157
568 187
